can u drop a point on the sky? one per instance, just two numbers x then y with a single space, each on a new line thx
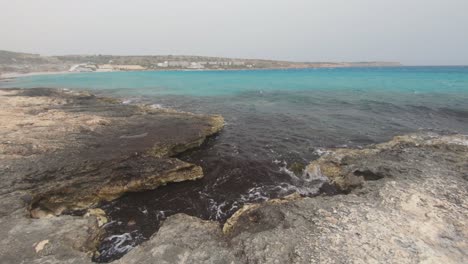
414 32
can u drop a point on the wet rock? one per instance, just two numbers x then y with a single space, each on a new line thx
84 149
62 152
99 214
405 203
297 168
102 181
248 213
65 239
228 227
184 239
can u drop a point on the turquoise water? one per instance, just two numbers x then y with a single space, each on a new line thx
218 83
274 118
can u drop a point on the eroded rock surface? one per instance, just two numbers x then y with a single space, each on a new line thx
406 203
63 151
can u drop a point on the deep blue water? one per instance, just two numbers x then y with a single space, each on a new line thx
274 118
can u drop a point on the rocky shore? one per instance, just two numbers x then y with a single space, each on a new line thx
405 202
63 152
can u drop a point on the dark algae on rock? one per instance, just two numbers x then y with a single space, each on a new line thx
63 152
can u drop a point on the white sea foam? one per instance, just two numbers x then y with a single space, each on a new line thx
143 210
459 140
156 106
220 210
291 174
255 194
160 215
118 242
307 183
320 152
217 209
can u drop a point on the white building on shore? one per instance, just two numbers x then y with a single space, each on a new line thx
198 65
84 67
163 64
195 65
119 67
181 64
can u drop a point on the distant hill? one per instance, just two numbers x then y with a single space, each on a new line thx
11 58
26 62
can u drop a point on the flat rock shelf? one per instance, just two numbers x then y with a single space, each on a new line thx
63 152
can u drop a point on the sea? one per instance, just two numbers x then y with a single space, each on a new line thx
277 121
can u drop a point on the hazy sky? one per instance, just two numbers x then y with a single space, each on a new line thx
409 31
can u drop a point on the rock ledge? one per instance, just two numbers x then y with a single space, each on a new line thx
63 152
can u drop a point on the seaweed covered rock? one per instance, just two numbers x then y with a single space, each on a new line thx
62 152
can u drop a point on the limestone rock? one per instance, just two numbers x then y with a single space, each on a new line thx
405 203
63 152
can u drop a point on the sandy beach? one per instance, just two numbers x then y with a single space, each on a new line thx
12 75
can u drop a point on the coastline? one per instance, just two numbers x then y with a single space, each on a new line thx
12 75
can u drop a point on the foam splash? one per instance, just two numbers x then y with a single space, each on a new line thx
321 152
308 183
256 195
119 245
221 210
160 215
156 106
